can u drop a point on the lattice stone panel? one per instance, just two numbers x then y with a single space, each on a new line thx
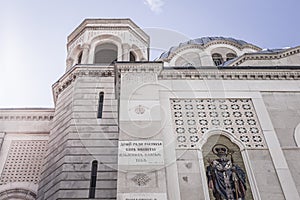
24 161
193 117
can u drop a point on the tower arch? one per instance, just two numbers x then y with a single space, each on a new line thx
138 53
74 56
105 53
105 49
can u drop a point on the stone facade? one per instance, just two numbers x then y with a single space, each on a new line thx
139 129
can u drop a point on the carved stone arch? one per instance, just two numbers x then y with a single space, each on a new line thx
222 132
138 53
188 58
297 135
132 56
17 194
192 54
102 39
73 56
240 157
184 48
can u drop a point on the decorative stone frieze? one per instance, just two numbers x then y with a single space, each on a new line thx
26 117
26 114
192 118
24 161
153 67
229 74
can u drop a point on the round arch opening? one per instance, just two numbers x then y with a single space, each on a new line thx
106 53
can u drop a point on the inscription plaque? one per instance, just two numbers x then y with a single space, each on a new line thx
141 152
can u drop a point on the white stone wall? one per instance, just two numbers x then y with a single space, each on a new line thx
78 137
140 123
278 170
283 108
23 142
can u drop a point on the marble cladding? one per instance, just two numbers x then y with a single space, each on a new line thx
77 138
284 111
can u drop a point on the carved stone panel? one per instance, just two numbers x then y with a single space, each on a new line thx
194 117
24 161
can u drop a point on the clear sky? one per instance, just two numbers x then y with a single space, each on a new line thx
33 33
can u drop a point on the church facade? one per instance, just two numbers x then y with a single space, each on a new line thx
212 118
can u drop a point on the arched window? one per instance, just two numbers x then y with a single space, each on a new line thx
105 53
79 59
100 104
217 58
131 57
93 181
230 56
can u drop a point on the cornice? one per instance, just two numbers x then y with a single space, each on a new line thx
80 71
25 114
144 38
154 67
107 23
265 56
26 117
230 74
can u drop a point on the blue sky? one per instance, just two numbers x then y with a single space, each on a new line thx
33 33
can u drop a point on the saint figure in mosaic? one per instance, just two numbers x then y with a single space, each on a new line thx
226 179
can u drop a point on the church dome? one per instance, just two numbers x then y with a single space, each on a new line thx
207 41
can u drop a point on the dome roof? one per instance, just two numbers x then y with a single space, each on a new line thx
205 40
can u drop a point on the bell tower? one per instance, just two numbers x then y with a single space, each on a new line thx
98 41
82 155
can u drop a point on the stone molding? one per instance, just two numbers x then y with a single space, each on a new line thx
80 39
100 24
26 114
229 74
243 73
80 71
233 44
267 56
17 193
26 117
154 67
